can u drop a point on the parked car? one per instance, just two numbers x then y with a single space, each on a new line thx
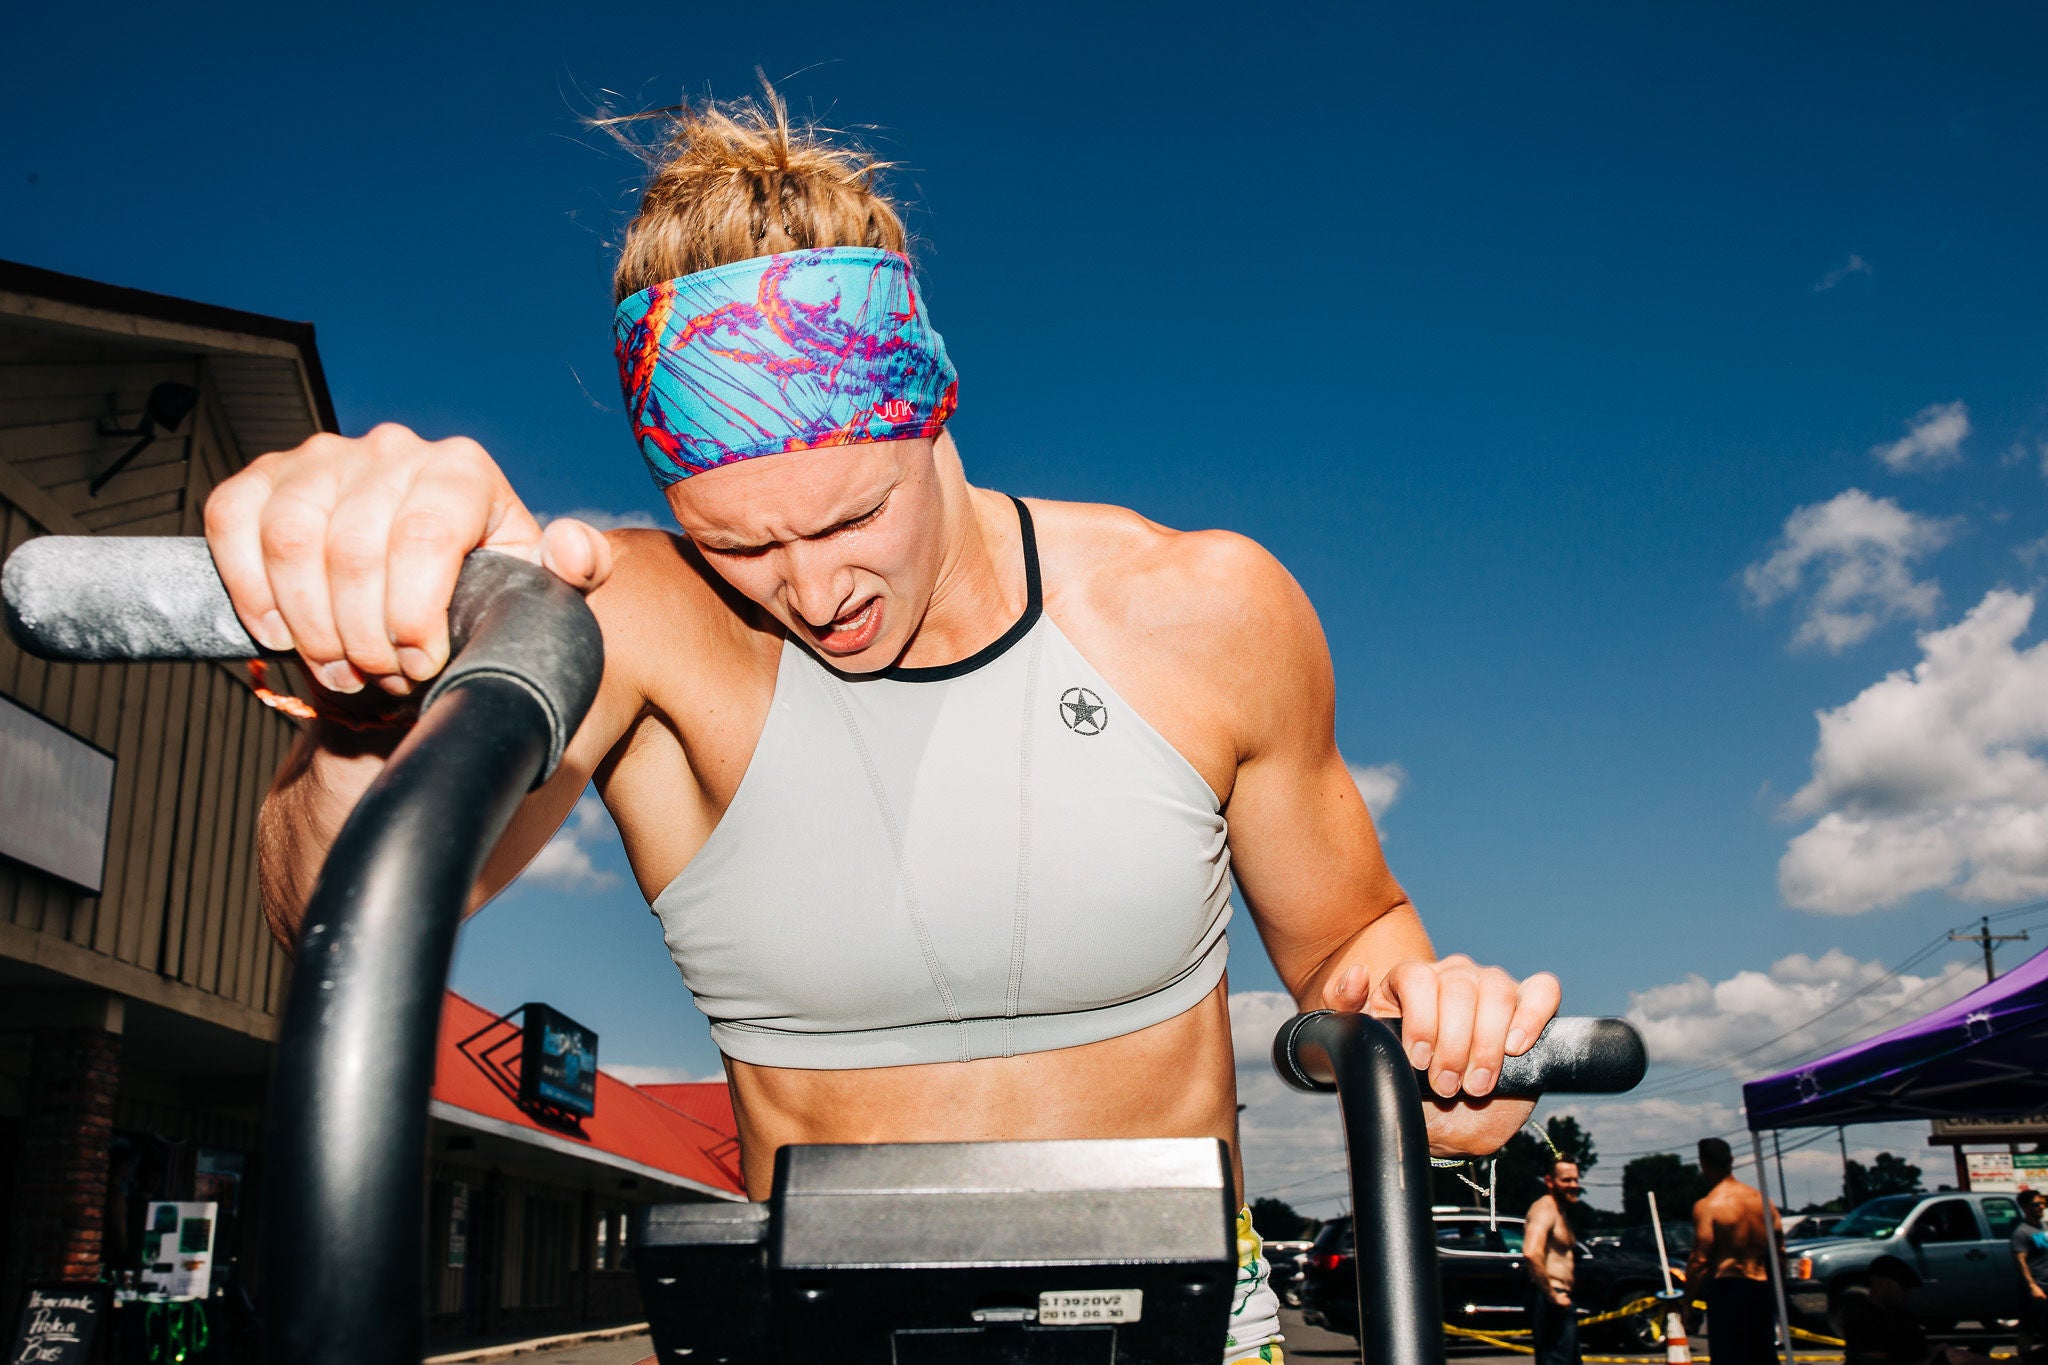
1479 1264
1813 1226
1283 1264
1956 1246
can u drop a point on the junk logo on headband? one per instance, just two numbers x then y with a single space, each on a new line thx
793 351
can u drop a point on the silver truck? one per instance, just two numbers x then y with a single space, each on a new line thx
1957 1247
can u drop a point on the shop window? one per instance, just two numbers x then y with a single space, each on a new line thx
544 1254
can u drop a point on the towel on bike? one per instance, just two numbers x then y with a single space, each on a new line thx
1255 1311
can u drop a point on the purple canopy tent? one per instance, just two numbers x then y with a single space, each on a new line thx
1986 1056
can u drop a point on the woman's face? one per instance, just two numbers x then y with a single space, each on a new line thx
841 545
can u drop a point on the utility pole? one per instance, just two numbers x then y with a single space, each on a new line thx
1848 1202
1989 940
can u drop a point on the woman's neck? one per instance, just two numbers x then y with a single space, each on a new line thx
980 590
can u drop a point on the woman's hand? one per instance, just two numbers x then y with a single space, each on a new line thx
347 548
1459 1021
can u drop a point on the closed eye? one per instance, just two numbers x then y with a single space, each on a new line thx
755 551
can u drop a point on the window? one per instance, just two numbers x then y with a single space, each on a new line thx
1472 1237
1948 1221
2003 1215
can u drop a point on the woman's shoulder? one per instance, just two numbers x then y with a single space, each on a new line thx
1118 562
663 605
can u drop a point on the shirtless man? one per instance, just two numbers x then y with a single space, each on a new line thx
1547 1247
1728 1269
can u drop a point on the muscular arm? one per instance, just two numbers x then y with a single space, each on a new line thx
1701 1261
1340 930
1536 1244
330 766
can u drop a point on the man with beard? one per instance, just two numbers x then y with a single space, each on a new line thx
1548 1244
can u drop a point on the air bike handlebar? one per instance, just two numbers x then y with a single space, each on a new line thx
355 1059
1400 1311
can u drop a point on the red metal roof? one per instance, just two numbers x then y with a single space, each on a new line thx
690 1136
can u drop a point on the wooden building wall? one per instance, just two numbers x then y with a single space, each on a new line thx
178 922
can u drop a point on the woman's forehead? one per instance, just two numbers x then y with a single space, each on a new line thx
795 494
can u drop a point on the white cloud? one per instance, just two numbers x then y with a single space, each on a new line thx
1292 1143
1855 265
1852 556
565 863
1933 438
1737 1023
661 1075
1380 784
603 520
1935 779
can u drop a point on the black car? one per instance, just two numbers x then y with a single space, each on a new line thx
1479 1262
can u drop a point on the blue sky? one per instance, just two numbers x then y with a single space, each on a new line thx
1518 333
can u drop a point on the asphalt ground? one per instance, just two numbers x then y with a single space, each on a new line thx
1304 1343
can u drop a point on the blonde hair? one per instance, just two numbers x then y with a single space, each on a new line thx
733 180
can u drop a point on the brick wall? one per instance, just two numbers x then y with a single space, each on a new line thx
60 1195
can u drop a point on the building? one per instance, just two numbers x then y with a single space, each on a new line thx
527 1216
140 989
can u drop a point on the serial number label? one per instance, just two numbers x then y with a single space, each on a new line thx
1060 1308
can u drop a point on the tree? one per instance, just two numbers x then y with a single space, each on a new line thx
1277 1221
1887 1175
1523 1162
1676 1182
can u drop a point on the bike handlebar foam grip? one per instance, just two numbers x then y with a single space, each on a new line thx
121 599
136 599
1575 1055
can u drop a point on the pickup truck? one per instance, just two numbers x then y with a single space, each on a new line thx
1956 1245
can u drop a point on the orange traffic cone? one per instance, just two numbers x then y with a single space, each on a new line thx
1676 1349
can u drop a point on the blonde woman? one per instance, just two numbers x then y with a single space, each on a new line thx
938 794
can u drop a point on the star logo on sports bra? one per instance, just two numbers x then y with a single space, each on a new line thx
1083 711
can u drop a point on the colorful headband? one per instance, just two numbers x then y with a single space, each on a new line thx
825 347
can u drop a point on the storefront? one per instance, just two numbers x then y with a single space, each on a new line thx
529 1204
140 988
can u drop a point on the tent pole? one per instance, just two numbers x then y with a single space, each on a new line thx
1772 1258
1778 1155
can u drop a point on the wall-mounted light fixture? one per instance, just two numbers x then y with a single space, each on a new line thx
166 408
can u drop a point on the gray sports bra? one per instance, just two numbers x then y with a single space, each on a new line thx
938 864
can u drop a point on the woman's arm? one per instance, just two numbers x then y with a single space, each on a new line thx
1340 929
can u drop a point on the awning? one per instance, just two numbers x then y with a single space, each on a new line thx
1985 1055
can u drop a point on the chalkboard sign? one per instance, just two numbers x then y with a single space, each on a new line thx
57 1324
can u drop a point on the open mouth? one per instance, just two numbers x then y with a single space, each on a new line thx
853 632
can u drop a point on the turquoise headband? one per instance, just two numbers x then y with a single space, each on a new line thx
794 351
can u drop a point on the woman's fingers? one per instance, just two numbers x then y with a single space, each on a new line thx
1410 990
293 528
448 511
1459 1020
234 535
1535 1006
578 554
347 549
1496 1009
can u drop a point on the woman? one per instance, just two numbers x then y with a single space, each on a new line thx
928 785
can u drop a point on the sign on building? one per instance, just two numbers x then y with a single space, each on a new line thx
56 796
2004 1172
1957 1131
558 1066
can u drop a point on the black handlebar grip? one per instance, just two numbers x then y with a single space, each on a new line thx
1574 1055
135 599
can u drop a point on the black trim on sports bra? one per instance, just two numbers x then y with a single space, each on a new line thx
1034 607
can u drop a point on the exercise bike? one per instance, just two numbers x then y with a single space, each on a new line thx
1005 1253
